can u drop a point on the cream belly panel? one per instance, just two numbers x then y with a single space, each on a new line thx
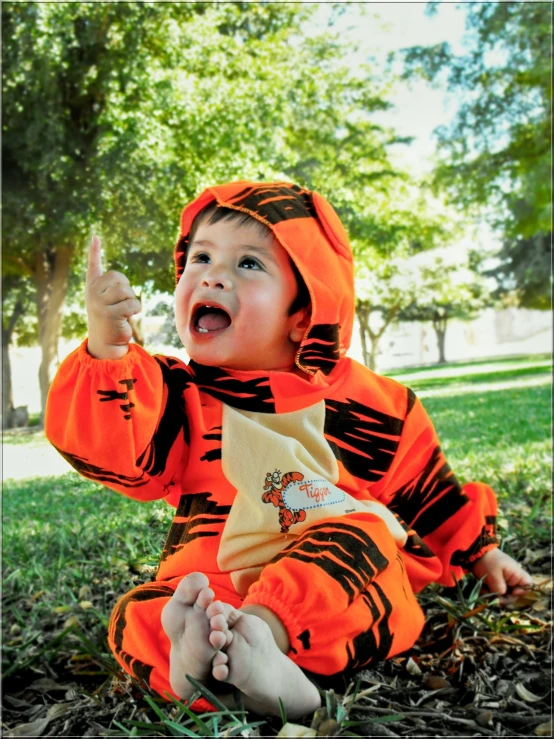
285 474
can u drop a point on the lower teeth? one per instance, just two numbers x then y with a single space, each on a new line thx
203 330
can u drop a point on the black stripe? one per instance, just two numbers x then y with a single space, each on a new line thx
359 558
211 455
195 507
487 536
411 401
435 479
373 435
201 521
249 395
99 474
173 420
139 595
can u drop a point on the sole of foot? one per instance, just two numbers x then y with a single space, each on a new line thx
194 642
254 664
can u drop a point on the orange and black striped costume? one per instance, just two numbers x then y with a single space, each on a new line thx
325 497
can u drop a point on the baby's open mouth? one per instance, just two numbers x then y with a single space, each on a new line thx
208 318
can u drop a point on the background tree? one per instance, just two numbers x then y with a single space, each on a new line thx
496 155
448 287
387 277
114 115
384 287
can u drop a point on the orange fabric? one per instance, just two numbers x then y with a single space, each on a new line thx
153 427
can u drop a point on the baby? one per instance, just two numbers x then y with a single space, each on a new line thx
312 497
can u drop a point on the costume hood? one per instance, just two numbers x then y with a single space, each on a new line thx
306 225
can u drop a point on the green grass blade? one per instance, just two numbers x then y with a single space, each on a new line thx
282 711
197 720
180 730
239 703
210 697
356 690
157 710
126 732
388 719
341 713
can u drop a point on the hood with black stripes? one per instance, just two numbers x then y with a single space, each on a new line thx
308 228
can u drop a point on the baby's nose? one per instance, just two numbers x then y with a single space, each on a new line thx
217 279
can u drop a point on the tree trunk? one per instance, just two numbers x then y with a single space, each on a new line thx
439 324
7 392
363 311
388 317
51 276
372 363
7 398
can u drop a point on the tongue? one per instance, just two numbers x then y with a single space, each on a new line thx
214 320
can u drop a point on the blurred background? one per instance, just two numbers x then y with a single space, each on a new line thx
426 126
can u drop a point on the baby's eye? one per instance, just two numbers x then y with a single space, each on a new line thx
200 257
250 263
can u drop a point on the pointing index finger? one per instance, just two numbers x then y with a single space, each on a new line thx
94 269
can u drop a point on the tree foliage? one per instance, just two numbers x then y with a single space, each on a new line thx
449 285
115 114
496 154
387 272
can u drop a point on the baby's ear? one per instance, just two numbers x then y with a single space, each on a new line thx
300 324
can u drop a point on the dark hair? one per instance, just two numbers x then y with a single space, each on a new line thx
215 213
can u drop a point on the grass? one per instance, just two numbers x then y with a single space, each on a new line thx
71 547
70 550
475 366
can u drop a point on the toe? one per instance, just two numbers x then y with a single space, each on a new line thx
218 639
220 658
218 623
220 667
221 673
217 607
232 617
205 597
190 586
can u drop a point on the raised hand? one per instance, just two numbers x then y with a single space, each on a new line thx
110 302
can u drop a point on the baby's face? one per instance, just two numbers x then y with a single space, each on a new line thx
232 301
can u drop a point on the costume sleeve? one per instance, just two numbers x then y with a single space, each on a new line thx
455 523
121 422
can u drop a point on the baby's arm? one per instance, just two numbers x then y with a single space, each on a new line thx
502 574
110 302
115 412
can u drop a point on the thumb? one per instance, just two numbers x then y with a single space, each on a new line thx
94 268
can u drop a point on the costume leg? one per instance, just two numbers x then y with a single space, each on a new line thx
136 636
342 592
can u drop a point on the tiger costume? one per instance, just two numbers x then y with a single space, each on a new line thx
366 514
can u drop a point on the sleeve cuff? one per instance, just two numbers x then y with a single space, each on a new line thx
111 366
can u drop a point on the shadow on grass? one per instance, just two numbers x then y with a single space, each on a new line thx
479 378
464 364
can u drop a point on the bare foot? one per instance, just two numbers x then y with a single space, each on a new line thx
255 665
193 642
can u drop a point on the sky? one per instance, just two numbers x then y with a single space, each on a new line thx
419 107
383 27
